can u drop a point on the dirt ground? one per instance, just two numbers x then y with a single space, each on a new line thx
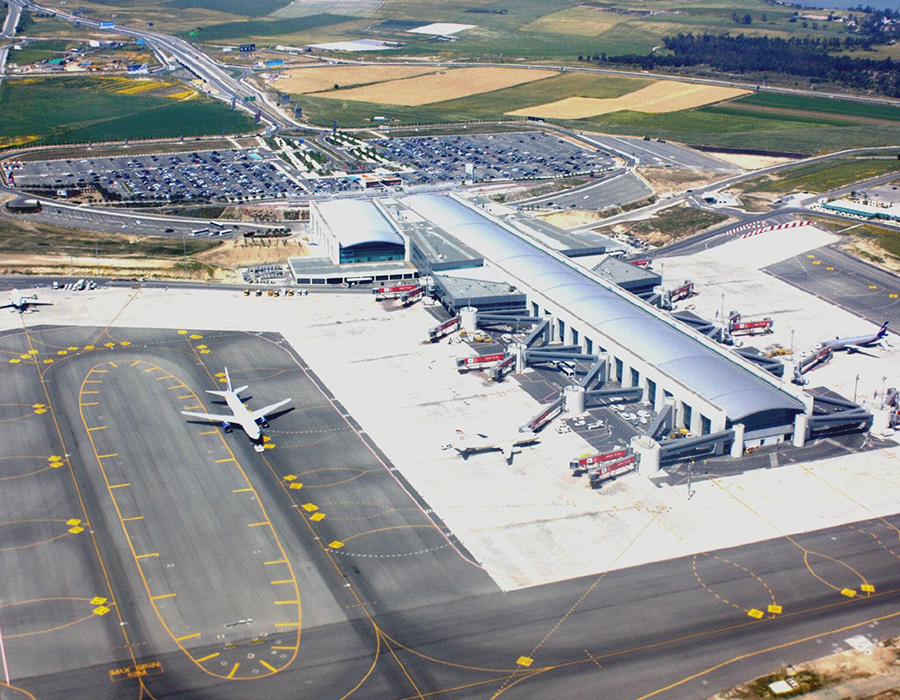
748 162
836 668
658 97
570 217
668 179
243 252
65 265
440 86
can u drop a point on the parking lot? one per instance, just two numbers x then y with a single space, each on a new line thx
517 156
207 175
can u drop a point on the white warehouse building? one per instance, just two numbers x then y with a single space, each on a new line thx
355 231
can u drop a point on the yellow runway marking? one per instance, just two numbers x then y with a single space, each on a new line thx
143 556
268 666
207 658
118 486
233 671
187 636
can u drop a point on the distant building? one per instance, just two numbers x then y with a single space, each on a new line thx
865 211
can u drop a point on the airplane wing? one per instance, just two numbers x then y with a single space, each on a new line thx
6 306
261 413
507 448
37 302
210 416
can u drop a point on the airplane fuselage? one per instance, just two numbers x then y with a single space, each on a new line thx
242 416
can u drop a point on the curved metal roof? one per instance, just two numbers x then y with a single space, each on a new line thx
710 374
355 221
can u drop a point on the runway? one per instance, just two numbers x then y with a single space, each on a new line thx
314 570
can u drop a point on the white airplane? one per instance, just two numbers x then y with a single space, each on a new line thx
857 342
251 421
479 442
21 303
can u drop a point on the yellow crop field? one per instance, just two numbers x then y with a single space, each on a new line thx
302 81
438 87
575 21
661 96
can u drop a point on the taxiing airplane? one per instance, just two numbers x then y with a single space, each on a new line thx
479 442
22 303
857 342
251 421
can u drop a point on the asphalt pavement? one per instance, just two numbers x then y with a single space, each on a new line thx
211 559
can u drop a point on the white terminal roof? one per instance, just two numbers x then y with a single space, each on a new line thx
712 375
355 221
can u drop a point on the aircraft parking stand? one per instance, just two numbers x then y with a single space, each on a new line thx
417 572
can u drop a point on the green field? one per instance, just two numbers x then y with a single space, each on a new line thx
826 176
40 51
81 109
249 8
264 28
821 105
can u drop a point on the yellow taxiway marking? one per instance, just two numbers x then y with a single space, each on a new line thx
226 459
267 665
134 517
178 386
278 561
892 296
144 556
755 614
95 368
287 602
182 332
118 486
209 432
775 609
165 376
240 490
337 544
284 580
164 595
867 588
91 347
90 392
872 286
525 661
285 648
74 521
310 507
97 427
90 403
93 381
192 408
264 522
187 636
100 610
99 600
207 658
186 396
849 592
316 517
233 671
111 454
286 624
136 363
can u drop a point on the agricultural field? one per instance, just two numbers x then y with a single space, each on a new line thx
826 176
671 224
103 109
302 81
660 96
442 85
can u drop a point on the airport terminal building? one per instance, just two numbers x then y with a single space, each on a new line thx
712 389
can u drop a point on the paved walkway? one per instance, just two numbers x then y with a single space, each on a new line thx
856 688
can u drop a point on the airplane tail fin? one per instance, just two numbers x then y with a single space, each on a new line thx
227 379
883 330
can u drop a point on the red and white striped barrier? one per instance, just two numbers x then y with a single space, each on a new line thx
744 227
778 227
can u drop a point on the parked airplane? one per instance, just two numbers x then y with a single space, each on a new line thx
857 342
479 442
251 421
21 303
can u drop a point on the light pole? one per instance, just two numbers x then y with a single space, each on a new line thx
883 380
855 387
792 343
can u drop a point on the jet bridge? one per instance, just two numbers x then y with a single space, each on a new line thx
770 364
717 332
833 414
681 449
